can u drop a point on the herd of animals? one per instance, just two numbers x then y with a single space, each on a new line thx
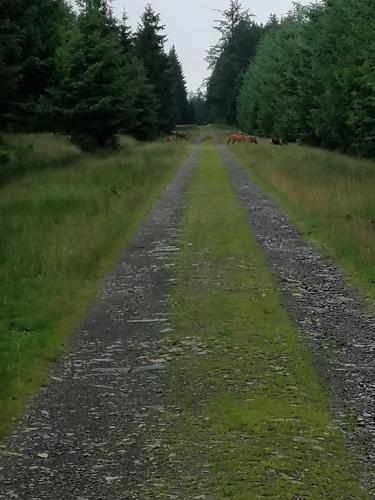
232 139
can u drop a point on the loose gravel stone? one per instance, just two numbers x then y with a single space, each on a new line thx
339 329
83 436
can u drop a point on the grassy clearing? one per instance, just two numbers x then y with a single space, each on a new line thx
252 420
61 230
329 196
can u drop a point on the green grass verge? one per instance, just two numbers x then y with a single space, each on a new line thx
23 153
329 197
251 420
61 231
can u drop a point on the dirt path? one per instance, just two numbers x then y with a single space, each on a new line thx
83 435
339 329
187 379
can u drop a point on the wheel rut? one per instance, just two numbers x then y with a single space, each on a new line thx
83 435
338 327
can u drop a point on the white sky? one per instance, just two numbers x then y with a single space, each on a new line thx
189 23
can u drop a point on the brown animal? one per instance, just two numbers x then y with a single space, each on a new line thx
235 138
169 139
252 139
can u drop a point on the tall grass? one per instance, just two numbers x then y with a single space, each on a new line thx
30 152
330 197
60 231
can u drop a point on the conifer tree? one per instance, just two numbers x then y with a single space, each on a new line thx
146 104
96 95
149 48
313 78
180 92
126 36
10 60
30 35
229 59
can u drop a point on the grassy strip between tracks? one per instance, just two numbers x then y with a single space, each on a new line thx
61 231
329 196
251 420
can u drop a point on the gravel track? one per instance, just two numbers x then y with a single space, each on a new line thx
339 329
91 432
83 436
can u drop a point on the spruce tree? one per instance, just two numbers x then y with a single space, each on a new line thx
126 36
149 48
10 60
146 105
40 25
96 95
30 36
229 58
180 92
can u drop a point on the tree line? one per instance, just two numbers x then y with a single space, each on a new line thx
84 73
308 77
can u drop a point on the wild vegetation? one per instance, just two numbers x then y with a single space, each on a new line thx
228 59
307 77
312 79
61 230
329 196
85 73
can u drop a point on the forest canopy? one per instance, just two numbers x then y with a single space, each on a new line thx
308 77
84 73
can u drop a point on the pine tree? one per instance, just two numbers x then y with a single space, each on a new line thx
197 103
126 35
180 92
229 59
39 26
146 104
149 48
30 35
96 96
10 60
312 78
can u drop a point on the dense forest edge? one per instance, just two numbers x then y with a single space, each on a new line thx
307 77
84 73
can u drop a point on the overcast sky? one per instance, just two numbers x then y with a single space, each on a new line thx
189 26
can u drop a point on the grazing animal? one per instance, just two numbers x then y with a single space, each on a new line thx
240 137
169 139
276 142
234 138
252 139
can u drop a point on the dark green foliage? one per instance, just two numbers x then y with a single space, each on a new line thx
10 59
149 47
4 157
313 78
39 28
183 112
126 35
229 59
84 73
146 104
197 103
96 96
30 35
